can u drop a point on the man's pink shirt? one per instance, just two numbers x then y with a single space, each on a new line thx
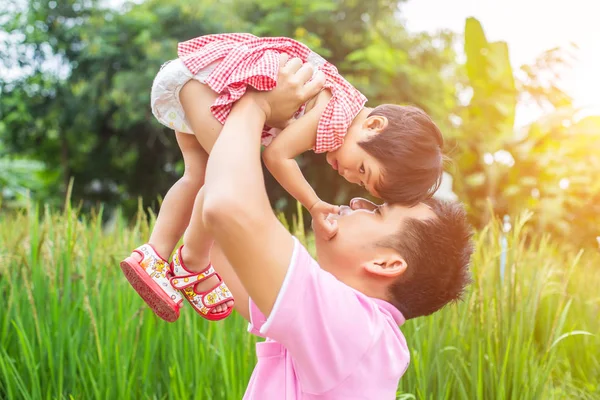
325 340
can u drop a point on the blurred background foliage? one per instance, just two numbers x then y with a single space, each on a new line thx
75 91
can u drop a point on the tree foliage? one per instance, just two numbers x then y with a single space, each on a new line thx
89 117
75 95
550 167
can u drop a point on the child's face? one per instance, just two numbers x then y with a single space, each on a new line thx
353 163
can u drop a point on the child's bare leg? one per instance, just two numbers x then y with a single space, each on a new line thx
196 100
176 209
144 269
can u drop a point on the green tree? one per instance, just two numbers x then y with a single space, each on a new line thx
17 177
89 117
549 167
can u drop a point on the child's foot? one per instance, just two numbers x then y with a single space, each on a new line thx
205 290
204 285
149 275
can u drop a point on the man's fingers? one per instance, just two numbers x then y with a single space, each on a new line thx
305 73
283 59
312 88
292 66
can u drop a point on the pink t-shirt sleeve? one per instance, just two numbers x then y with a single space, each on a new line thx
325 325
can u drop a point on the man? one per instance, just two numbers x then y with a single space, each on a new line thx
332 328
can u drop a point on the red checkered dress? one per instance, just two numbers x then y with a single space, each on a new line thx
249 60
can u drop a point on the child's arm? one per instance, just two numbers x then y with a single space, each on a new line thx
298 137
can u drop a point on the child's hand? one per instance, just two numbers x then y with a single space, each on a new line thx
323 227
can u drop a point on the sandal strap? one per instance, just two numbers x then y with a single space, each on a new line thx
204 302
218 295
184 280
181 282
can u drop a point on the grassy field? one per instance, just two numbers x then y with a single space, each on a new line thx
72 328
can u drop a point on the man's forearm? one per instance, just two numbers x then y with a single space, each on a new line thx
233 173
237 211
236 207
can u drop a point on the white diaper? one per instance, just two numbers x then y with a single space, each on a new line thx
164 98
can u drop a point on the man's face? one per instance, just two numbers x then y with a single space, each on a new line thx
361 228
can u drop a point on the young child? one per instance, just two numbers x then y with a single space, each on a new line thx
395 152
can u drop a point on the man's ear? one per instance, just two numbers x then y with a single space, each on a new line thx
391 265
376 123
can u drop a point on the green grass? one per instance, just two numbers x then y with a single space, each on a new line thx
71 326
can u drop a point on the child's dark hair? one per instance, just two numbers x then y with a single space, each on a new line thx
410 150
437 252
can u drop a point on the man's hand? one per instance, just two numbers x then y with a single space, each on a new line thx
322 226
292 90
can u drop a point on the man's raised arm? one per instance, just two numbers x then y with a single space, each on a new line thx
236 207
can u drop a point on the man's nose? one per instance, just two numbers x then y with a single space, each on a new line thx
358 203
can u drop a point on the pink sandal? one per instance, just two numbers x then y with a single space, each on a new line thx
150 278
203 302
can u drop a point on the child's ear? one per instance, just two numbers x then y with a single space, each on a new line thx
388 266
376 123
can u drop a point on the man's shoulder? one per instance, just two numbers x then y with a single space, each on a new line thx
330 330
389 346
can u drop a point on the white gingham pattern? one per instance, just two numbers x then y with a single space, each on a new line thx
249 60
